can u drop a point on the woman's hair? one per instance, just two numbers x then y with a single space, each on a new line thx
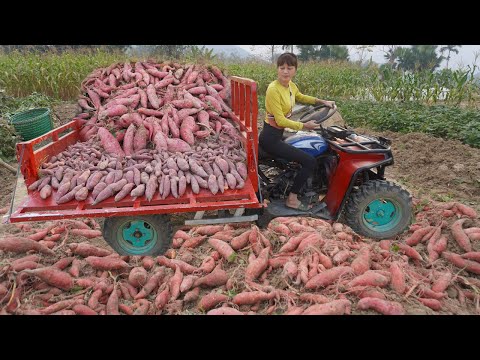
289 58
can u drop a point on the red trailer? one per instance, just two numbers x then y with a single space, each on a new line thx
138 226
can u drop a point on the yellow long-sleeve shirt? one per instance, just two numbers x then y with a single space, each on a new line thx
279 103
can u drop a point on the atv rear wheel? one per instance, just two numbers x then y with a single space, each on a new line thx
378 209
138 235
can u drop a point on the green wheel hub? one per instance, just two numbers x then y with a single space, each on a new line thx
381 215
137 236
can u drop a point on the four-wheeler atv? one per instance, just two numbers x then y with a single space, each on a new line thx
350 171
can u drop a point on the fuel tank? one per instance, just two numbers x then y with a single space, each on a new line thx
314 145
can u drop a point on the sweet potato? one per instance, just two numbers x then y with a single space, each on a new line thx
40 234
225 311
211 300
33 257
251 297
75 268
327 277
466 210
417 236
442 282
342 256
179 145
216 278
148 262
138 191
46 191
112 303
141 307
256 267
336 307
459 235
208 230
223 248
137 277
208 264
294 241
473 255
175 282
457 260
85 250
25 265
384 307
20 245
151 284
369 292
193 242
213 184
162 298
152 97
140 139
106 263
197 169
369 278
362 262
53 276
431 303
109 143
81 309
98 189
409 251
192 295
58 306
240 241
89 234
397 278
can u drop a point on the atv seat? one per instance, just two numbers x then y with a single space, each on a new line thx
263 155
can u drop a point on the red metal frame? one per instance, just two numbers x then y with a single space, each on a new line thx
33 208
340 179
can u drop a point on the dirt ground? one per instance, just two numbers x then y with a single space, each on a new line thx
429 167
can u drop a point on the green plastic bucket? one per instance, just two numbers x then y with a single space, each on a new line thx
32 123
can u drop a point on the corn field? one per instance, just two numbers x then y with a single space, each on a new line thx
59 76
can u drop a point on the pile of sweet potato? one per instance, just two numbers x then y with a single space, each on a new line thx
295 266
149 130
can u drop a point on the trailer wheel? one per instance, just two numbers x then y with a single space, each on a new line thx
379 209
138 235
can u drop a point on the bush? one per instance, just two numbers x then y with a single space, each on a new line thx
444 121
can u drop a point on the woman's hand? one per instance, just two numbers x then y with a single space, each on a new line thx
311 125
329 104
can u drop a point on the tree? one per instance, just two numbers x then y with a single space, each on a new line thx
308 52
362 52
285 47
196 53
450 49
419 57
391 55
334 52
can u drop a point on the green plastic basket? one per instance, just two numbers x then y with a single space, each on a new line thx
32 123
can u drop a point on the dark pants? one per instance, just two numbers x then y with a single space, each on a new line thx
271 141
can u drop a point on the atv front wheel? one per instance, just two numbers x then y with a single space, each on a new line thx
138 235
378 209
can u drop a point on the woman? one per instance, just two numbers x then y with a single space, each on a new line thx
279 101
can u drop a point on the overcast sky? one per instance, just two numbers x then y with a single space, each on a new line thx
466 55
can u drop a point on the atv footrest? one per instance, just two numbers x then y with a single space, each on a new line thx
277 208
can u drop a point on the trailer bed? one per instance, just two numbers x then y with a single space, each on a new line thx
33 208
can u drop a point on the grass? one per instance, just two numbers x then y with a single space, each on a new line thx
444 121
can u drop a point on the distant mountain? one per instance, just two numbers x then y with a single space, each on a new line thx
229 51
